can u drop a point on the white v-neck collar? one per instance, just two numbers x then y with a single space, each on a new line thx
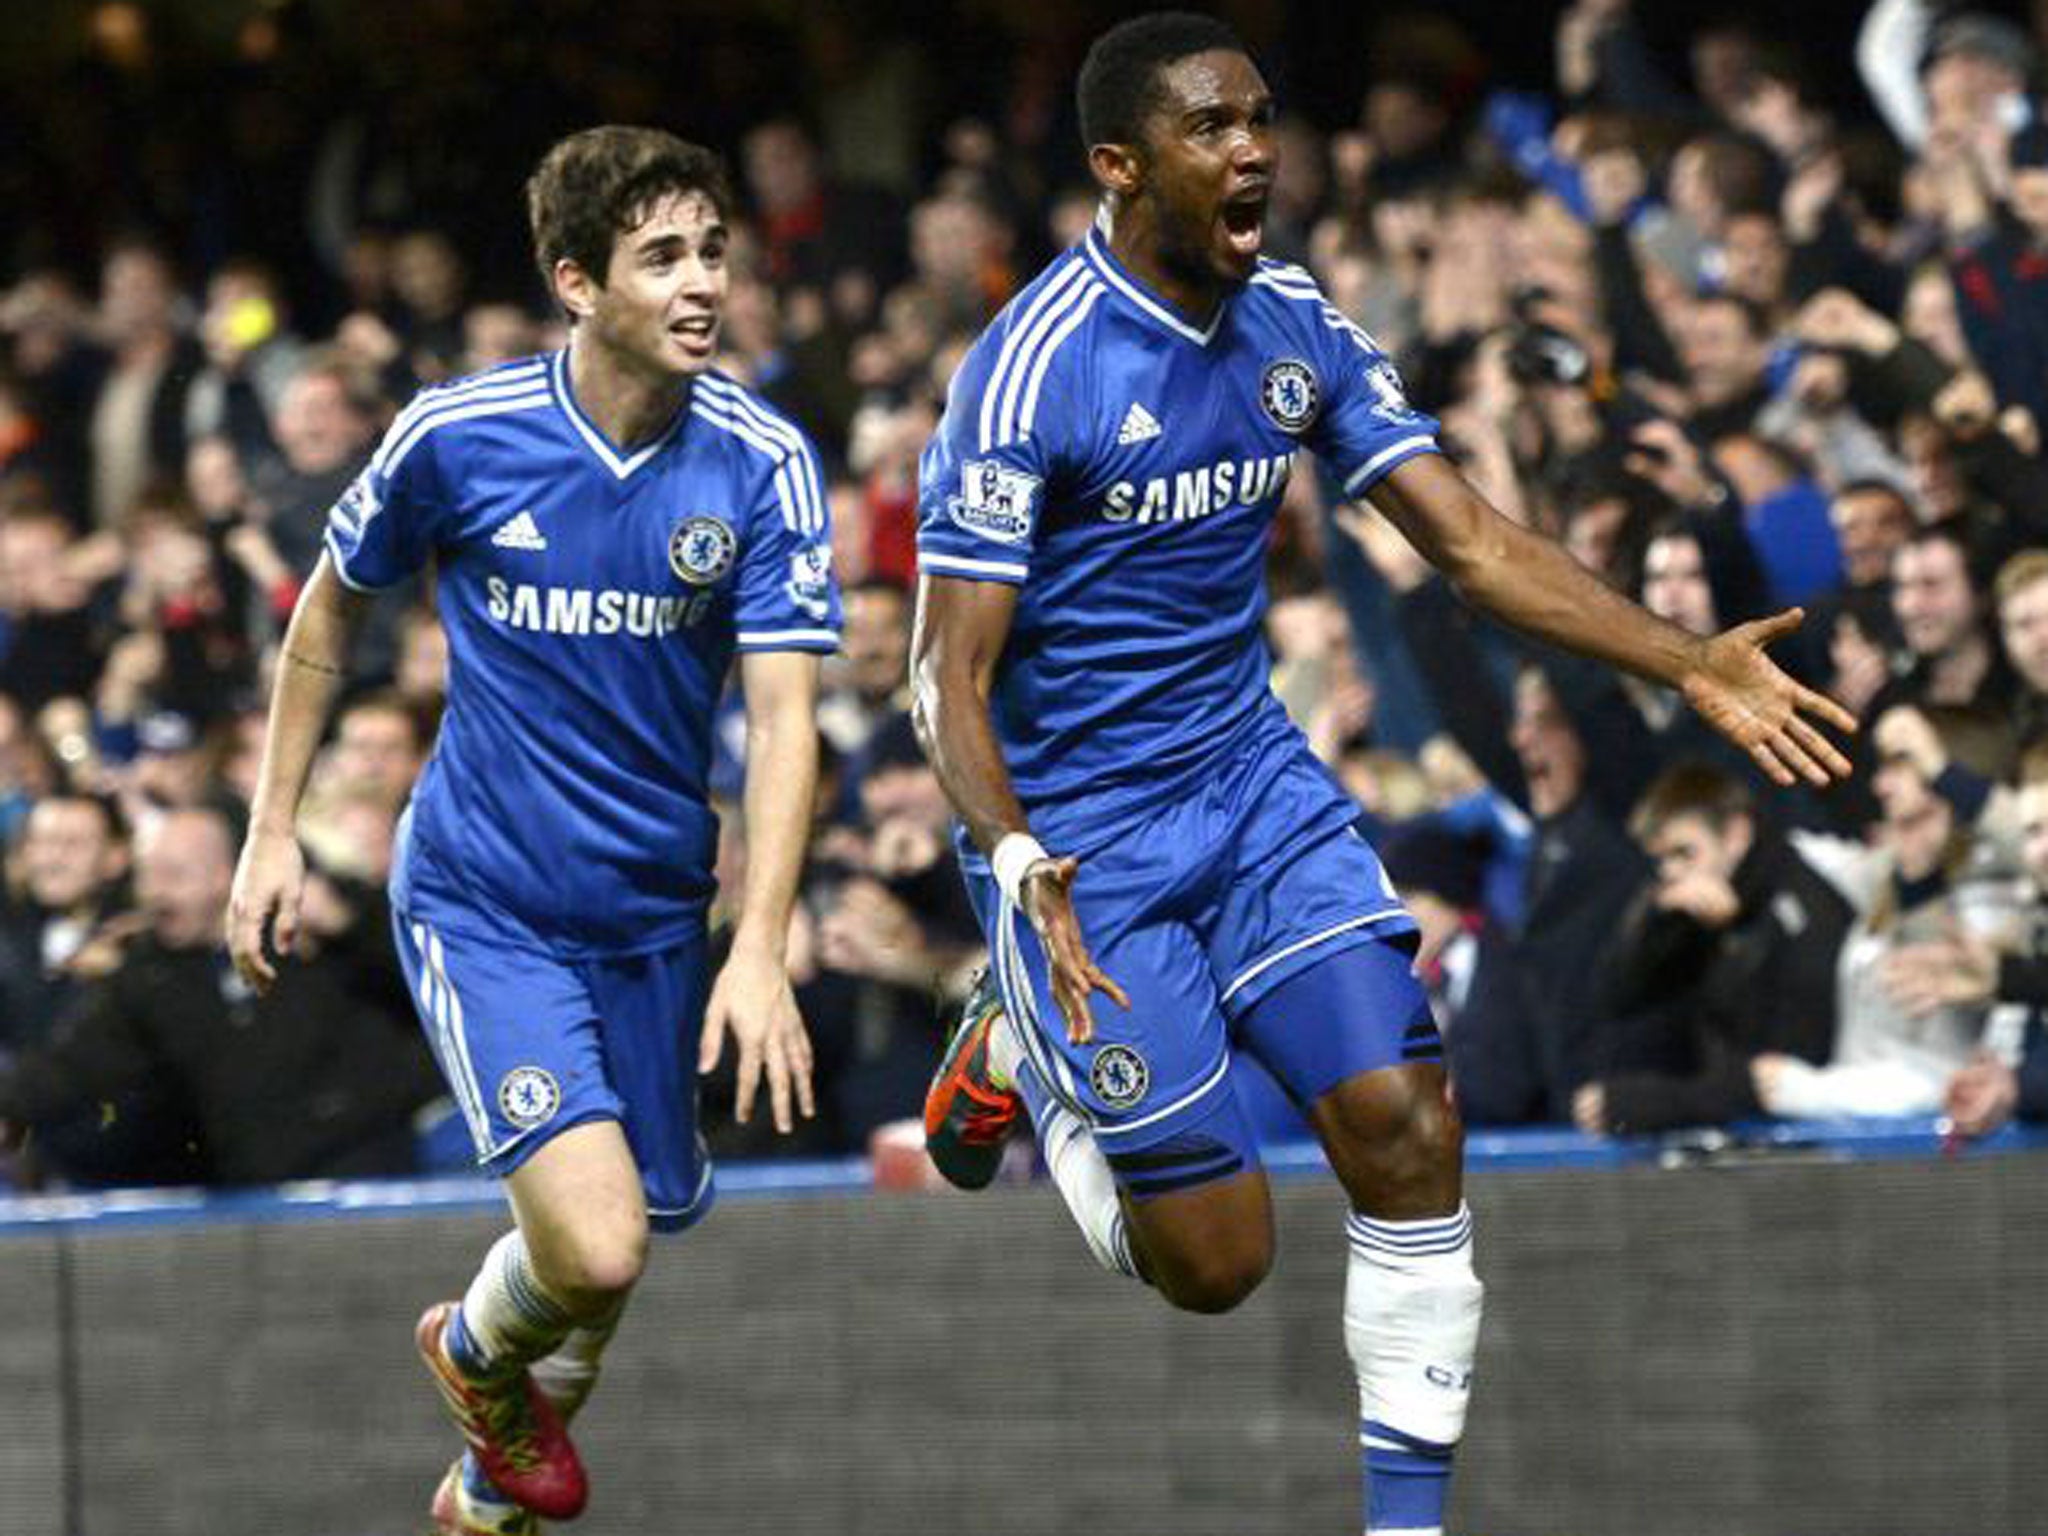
622 465
1096 248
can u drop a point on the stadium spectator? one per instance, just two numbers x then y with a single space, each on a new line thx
1725 344
1932 73
2021 593
1930 874
1729 953
52 640
1955 671
1440 874
821 240
421 674
60 926
380 745
1871 519
1529 1032
252 355
1960 969
868 683
320 432
136 421
318 1079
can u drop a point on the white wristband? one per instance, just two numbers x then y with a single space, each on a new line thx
1015 853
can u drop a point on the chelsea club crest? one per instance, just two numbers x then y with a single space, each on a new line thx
1290 395
701 549
1119 1076
529 1096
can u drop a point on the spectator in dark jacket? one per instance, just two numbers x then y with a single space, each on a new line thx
59 929
1957 674
319 1078
1730 952
1525 1033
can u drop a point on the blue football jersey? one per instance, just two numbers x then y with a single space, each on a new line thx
1122 469
593 600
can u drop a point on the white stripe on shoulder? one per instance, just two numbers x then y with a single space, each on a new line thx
1291 281
503 381
394 451
786 497
813 480
775 425
1284 273
722 416
1337 320
793 491
802 495
1017 341
1052 329
1027 415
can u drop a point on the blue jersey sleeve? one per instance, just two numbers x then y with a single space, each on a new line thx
389 519
982 480
1365 427
786 598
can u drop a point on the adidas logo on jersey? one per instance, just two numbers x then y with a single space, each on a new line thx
520 533
1139 426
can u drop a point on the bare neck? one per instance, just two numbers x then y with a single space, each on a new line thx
1132 233
629 407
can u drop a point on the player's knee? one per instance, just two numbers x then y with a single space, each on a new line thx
1216 1280
595 1266
1394 1135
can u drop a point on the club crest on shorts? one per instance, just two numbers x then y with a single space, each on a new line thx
1119 1076
528 1096
1290 395
701 549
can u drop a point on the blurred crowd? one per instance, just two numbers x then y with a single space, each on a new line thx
1741 337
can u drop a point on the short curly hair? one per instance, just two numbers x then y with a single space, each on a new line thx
595 185
1119 84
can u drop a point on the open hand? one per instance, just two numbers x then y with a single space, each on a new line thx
1049 903
752 999
1741 693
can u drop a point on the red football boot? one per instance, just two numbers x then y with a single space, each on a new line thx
457 1511
515 1432
967 1118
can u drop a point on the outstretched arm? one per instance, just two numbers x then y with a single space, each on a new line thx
752 996
960 632
268 880
1529 581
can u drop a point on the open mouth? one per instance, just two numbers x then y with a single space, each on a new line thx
1244 222
696 331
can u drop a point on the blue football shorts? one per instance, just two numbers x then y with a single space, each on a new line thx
531 1045
1239 918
